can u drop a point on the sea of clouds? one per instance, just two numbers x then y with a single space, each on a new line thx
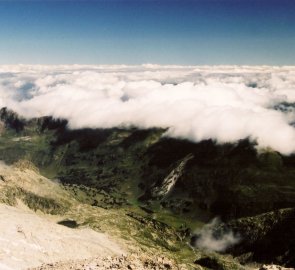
223 103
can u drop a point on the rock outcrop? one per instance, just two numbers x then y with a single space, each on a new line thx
169 182
266 238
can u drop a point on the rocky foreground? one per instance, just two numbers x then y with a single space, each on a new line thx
135 262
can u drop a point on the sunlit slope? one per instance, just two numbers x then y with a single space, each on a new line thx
41 217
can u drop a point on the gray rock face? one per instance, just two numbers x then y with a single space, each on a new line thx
170 181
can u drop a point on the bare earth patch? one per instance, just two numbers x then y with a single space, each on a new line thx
28 240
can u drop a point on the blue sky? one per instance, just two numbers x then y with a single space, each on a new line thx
184 32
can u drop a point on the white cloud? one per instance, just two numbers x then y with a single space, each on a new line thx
208 239
224 103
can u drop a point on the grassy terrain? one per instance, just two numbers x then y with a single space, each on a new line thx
116 169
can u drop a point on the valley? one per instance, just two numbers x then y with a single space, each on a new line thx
151 194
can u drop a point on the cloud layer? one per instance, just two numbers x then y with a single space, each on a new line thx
223 103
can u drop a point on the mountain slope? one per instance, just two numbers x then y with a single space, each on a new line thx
108 180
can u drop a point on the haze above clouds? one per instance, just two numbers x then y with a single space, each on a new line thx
223 103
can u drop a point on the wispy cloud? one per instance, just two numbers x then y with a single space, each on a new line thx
208 239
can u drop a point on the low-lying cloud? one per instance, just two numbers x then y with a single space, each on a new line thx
223 103
208 239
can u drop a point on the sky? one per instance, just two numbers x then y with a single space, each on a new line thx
186 32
